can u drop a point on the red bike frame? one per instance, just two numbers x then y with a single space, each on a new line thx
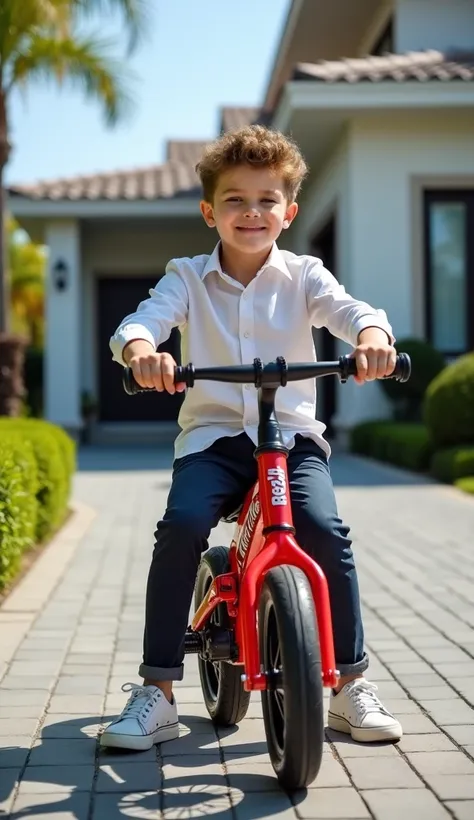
264 538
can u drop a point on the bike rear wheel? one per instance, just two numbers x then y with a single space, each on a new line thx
293 708
224 695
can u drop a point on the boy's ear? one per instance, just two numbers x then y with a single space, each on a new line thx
290 214
208 213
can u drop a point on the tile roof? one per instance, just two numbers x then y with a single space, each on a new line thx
415 65
237 117
175 178
150 183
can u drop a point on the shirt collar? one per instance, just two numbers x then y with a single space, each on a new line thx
274 260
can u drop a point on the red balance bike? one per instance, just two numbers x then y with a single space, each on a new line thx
263 616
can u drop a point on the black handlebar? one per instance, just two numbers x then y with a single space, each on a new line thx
273 374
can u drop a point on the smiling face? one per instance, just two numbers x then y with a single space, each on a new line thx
249 209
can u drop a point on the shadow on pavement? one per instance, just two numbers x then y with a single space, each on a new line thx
185 777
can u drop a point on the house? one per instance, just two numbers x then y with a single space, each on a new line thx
379 94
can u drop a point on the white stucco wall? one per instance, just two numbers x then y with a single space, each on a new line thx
62 366
438 24
374 182
393 159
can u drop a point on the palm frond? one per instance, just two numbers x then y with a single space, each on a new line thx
19 18
134 12
80 62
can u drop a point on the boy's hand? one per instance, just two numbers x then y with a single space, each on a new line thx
152 369
374 355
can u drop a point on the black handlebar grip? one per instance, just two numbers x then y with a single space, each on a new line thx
131 386
401 373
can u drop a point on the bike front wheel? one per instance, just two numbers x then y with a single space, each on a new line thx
293 708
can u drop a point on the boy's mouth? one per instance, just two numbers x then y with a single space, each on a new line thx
250 229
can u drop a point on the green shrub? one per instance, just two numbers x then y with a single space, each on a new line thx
401 443
452 463
18 502
449 404
54 461
466 484
426 364
363 435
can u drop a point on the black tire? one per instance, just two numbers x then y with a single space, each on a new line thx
224 695
289 640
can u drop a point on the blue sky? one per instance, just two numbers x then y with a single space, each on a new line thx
197 56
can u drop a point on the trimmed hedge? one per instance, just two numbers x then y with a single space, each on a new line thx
18 503
401 443
453 463
449 404
466 484
45 453
426 364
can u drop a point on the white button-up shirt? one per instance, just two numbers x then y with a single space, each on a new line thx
224 323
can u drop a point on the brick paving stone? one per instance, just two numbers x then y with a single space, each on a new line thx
452 786
127 777
383 773
331 804
263 806
54 752
114 806
426 743
445 763
18 726
461 809
56 779
391 804
45 806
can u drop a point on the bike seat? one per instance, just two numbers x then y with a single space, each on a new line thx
230 518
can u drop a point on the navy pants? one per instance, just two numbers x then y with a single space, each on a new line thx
207 484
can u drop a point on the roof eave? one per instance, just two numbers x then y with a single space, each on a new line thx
370 95
51 209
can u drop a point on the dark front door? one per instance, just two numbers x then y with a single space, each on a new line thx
324 247
117 297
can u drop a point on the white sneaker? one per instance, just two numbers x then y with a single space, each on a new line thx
357 711
147 718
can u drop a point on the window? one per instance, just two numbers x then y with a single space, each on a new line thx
384 43
449 270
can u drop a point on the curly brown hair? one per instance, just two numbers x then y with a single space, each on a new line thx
257 146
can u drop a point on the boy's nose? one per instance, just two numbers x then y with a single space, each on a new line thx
252 211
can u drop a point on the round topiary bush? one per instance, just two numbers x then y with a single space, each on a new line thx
426 363
449 404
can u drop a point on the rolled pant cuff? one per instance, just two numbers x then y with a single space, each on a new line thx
161 672
353 668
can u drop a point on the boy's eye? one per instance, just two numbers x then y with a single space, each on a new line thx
273 201
233 199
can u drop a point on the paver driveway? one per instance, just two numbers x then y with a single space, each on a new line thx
70 635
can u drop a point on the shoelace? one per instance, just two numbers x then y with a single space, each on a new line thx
362 694
140 701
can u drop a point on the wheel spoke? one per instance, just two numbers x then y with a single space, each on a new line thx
280 702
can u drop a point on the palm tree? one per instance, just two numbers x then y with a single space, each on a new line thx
38 40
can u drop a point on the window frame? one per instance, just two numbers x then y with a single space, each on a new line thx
430 198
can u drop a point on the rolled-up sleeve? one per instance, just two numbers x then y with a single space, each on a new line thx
330 306
155 317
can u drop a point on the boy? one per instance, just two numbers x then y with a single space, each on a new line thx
247 300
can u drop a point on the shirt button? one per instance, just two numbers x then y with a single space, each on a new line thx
247 387
246 334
